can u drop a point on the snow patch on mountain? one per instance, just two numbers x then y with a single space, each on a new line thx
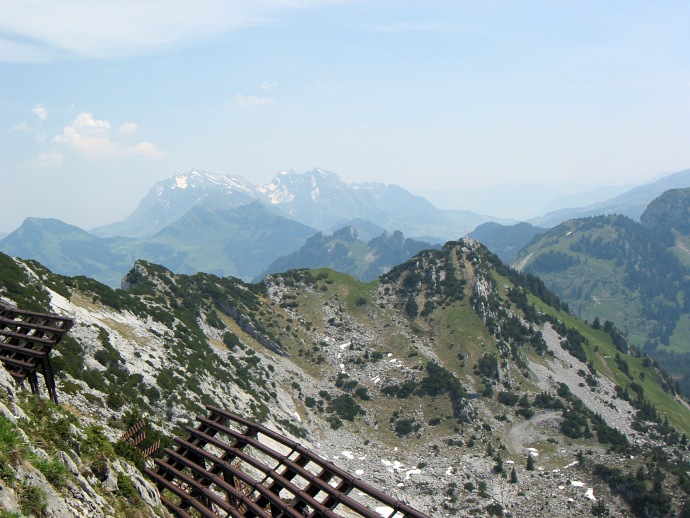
180 182
204 180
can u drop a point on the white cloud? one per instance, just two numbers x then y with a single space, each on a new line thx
91 138
41 29
52 159
36 131
40 111
251 100
85 123
20 52
144 149
128 128
22 126
267 85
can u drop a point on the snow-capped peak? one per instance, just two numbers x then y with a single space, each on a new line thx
196 178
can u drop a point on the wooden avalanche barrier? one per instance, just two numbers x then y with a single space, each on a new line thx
229 466
26 339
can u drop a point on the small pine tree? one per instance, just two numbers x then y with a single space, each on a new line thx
513 476
530 462
489 450
498 467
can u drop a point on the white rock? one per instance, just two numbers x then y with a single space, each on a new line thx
68 462
146 490
412 472
110 483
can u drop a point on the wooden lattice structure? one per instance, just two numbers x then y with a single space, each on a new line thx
256 472
26 339
136 435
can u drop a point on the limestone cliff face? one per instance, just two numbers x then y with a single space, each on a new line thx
671 210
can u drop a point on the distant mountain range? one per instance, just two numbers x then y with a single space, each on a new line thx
228 226
239 241
344 252
631 203
169 200
317 198
505 240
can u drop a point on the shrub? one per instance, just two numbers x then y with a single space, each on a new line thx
400 391
494 509
9 438
345 407
508 398
362 393
527 413
406 427
32 500
126 489
488 366
54 470
335 422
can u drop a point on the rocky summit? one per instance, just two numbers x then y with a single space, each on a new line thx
452 382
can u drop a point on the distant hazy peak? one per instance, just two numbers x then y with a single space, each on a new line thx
314 176
348 233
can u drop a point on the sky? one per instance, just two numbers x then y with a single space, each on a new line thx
100 99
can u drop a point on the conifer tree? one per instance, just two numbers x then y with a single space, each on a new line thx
530 462
498 467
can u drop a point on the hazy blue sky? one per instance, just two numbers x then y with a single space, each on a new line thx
99 99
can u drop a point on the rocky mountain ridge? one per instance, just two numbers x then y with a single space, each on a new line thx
444 377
